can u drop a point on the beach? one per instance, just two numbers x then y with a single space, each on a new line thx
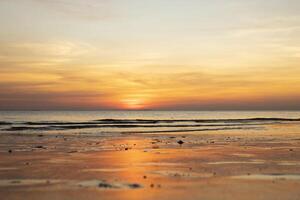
258 163
149 100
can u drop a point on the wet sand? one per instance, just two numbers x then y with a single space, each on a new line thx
207 165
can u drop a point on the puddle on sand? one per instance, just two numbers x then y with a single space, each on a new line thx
182 174
269 177
159 164
288 163
60 160
244 155
105 170
99 184
237 162
108 185
7 168
26 182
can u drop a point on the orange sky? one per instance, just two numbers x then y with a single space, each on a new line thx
130 54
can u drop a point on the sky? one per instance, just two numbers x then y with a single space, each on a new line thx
150 54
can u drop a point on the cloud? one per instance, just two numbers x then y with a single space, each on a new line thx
42 54
87 9
49 49
44 96
91 87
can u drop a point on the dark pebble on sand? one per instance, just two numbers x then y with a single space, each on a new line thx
144 177
180 142
39 147
291 150
15 181
9 151
134 185
72 151
152 185
126 149
105 185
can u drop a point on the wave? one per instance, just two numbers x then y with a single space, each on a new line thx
123 132
143 123
192 120
22 128
5 123
150 121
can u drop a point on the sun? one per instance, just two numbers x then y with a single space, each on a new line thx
133 104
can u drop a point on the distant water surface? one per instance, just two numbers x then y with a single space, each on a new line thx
109 122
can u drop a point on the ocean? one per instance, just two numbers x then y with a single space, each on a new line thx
109 123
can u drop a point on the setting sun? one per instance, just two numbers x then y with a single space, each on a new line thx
133 104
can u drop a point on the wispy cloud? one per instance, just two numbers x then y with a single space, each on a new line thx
88 9
42 54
